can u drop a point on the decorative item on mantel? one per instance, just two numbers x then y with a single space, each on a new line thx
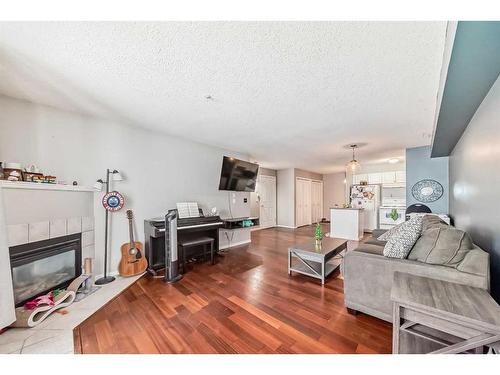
13 172
318 237
111 202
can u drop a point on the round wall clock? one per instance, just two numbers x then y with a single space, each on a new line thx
113 201
427 191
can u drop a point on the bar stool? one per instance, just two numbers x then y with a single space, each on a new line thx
197 241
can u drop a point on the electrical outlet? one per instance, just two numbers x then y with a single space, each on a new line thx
245 200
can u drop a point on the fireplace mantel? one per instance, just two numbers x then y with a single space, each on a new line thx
42 186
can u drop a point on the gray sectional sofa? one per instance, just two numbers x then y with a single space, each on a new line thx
442 252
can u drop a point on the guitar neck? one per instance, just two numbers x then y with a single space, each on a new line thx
131 232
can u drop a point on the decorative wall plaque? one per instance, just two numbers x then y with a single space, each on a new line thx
427 191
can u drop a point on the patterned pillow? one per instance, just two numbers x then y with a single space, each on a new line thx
400 243
386 235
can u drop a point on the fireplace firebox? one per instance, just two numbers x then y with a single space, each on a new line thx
42 266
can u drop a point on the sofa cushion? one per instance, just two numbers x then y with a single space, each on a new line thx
442 245
401 242
375 241
370 248
432 221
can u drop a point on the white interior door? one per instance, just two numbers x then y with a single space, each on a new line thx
303 213
267 201
299 216
316 201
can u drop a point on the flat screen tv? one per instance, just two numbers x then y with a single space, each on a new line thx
238 175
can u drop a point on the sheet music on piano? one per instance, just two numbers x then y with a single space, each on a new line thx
187 209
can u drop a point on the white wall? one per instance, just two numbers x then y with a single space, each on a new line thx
159 170
7 315
333 191
286 197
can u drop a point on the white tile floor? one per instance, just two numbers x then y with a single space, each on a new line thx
55 334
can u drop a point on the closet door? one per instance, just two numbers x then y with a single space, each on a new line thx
299 203
316 201
307 202
303 214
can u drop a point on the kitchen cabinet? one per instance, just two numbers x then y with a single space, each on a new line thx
357 178
401 176
393 177
388 177
374 178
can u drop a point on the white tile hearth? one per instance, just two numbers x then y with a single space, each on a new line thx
57 228
18 234
55 335
48 342
74 225
38 231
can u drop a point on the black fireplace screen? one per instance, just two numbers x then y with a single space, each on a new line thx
42 266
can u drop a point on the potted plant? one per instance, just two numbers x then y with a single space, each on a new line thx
318 236
394 214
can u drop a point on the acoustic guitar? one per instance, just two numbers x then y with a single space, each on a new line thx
133 261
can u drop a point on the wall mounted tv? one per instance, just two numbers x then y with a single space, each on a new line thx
238 175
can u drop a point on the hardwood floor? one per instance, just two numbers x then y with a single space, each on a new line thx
246 303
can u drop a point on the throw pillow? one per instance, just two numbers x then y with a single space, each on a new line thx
446 246
386 235
400 243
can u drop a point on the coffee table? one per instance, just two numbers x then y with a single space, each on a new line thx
314 262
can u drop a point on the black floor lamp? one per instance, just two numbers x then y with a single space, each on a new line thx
114 205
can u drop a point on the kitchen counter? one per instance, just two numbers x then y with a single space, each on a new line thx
345 208
346 223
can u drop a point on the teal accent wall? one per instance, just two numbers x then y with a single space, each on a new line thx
420 166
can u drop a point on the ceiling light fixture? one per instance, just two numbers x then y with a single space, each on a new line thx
393 161
353 165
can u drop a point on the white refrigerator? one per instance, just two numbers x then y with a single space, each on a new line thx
367 197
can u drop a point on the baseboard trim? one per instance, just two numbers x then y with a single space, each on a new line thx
234 244
261 228
113 273
285 226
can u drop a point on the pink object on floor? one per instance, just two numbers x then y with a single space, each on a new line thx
47 299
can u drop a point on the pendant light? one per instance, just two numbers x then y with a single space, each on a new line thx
353 165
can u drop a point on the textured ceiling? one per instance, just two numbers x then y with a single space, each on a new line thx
287 93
